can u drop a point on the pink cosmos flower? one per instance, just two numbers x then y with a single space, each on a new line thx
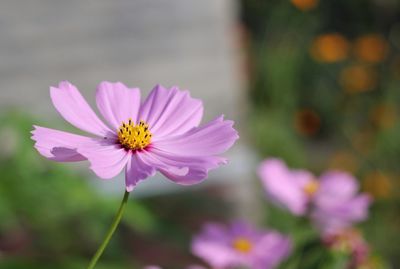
162 133
240 244
332 201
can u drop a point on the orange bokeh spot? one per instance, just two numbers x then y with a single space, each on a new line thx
358 78
363 141
344 160
330 48
372 48
377 184
383 116
305 5
307 122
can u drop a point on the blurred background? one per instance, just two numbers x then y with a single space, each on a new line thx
316 83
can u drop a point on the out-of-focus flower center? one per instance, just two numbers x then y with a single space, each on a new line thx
311 187
242 245
347 241
134 137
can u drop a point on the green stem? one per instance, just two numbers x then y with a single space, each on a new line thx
110 232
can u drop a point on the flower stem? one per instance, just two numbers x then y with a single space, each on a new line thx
110 232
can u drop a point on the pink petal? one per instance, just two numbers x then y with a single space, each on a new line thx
212 138
187 158
285 187
213 246
337 185
117 103
58 145
333 217
271 250
359 207
72 106
171 111
181 169
106 159
137 169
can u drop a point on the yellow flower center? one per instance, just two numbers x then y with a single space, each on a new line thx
242 245
134 137
311 187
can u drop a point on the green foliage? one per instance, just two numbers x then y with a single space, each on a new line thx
49 213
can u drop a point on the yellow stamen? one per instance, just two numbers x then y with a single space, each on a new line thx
242 245
134 137
311 187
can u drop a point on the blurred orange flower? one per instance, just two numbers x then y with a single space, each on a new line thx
329 48
307 122
358 78
305 5
344 160
377 184
383 115
371 48
363 141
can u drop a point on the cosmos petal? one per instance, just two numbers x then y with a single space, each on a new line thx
58 145
272 248
285 187
137 169
106 158
117 103
337 204
337 185
73 108
184 170
213 245
171 111
212 138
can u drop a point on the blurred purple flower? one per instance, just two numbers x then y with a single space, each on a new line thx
240 245
337 204
291 189
332 200
160 134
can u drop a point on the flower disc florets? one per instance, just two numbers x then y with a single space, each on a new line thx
242 244
134 137
311 187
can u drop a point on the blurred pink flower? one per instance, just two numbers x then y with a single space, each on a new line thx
291 189
240 245
160 134
337 204
332 201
